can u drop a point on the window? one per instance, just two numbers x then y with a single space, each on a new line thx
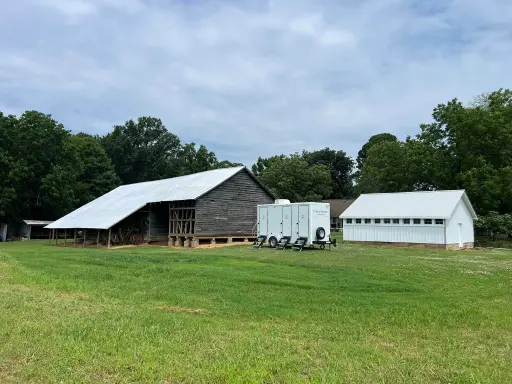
396 221
427 221
367 221
387 221
349 221
358 221
377 221
407 221
439 221
416 221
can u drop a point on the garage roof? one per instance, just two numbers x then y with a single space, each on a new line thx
428 204
111 208
37 222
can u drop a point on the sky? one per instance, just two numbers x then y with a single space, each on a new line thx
252 78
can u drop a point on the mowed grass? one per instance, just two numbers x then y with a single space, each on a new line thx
357 314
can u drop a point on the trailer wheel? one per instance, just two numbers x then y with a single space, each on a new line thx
320 233
272 242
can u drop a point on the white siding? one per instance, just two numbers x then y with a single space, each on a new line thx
399 233
463 216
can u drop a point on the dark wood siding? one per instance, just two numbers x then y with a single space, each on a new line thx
230 209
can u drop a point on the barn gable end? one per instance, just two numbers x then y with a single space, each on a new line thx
230 208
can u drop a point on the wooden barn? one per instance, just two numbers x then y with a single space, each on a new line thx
182 211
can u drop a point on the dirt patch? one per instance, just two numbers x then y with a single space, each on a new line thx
197 311
221 245
124 246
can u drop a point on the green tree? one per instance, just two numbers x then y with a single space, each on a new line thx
394 166
341 167
227 164
263 163
472 149
143 150
35 145
93 169
374 140
7 192
294 179
193 160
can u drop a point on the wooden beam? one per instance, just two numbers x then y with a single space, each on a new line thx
50 236
56 236
98 240
29 231
85 238
74 239
65 236
109 233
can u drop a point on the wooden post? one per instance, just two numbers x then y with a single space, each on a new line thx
109 233
98 240
149 224
56 236
29 231
74 239
65 236
50 236
85 236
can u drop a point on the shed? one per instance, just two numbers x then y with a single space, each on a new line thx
338 206
437 219
214 204
26 229
34 229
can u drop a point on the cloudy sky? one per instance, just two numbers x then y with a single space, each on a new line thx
252 77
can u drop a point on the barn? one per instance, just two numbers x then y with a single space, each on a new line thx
434 219
181 211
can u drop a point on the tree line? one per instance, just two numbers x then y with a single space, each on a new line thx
46 171
465 147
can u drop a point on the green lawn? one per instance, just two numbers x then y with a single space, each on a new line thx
358 314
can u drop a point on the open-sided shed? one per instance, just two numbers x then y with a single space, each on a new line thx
214 204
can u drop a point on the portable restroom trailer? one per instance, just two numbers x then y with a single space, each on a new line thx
285 223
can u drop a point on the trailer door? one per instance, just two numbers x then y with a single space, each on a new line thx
304 221
287 220
262 221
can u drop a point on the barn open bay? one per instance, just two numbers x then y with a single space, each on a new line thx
355 314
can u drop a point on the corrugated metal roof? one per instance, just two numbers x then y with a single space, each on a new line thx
37 222
111 208
428 204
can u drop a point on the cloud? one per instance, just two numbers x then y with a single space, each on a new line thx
250 78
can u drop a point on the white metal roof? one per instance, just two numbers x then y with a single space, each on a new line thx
37 222
114 206
428 204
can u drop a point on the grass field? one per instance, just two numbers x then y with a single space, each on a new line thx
155 315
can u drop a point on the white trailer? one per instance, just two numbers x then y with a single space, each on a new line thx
287 224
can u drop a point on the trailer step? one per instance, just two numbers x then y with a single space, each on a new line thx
299 244
283 242
258 243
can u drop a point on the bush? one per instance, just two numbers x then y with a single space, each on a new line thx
495 225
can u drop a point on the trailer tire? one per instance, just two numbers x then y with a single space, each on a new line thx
320 233
272 242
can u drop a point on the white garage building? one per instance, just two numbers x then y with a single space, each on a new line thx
437 219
